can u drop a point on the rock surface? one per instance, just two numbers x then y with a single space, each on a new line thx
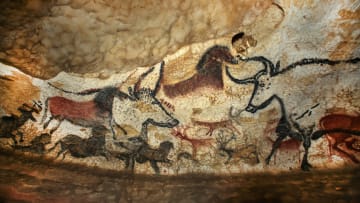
43 38
23 180
246 86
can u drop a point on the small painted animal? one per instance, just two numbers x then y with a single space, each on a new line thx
208 72
100 110
215 125
81 147
180 132
141 152
9 125
223 141
37 145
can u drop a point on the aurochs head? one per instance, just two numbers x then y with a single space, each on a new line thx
262 84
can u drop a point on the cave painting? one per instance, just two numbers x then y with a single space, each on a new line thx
138 150
146 127
341 132
9 125
208 72
264 94
100 110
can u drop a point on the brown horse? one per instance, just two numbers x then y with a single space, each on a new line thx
208 72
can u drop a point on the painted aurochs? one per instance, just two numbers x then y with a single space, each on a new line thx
103 109
129 121
297 119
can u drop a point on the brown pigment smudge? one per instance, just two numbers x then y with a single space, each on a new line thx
16 90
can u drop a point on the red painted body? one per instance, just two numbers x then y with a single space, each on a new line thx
212 79
215 125
180 132
63 108
208 74
342 121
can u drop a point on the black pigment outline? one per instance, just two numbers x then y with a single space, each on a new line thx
135 93
284 127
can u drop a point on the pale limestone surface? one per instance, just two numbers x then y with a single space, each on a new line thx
286 31
81 36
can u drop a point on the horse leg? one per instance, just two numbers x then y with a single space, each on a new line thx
131 163
155 167
111 127
117 125
47 122
13 137
121 128
55 128
65 154
60 152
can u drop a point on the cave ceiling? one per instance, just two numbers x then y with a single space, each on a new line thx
43 38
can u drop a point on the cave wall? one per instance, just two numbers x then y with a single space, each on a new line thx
223 88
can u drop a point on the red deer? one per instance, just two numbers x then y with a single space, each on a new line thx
267 82
180 132
215 125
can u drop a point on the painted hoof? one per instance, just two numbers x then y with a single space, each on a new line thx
306 166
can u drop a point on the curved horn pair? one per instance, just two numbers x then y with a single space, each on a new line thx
143 75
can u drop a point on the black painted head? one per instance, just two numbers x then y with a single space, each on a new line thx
237 37
167 145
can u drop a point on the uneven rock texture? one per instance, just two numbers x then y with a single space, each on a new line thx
225 87
23 180
43 38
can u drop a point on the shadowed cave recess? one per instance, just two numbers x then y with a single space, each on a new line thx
179 101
